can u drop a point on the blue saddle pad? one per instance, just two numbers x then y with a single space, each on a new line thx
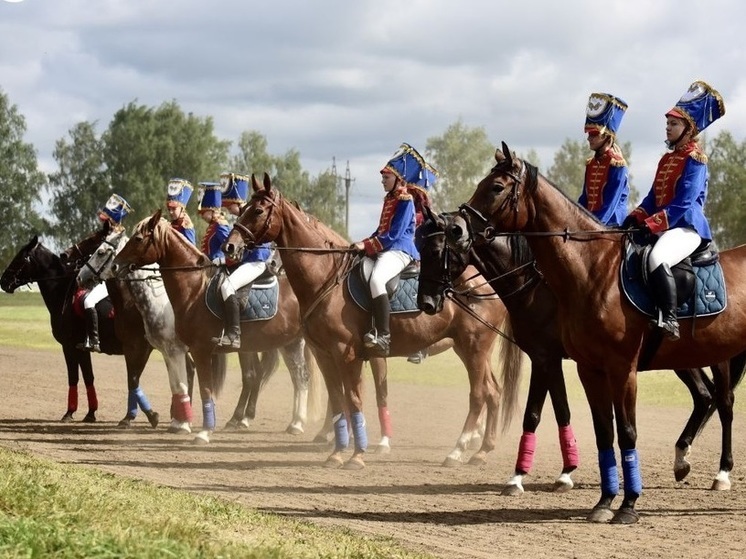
709 296
257 303
403 300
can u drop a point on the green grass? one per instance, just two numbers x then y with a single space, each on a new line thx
61 511
24 321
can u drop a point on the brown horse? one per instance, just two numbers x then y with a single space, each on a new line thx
317 260
508 265
580 260
186 273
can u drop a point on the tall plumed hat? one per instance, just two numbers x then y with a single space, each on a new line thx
604 113
411 167
210 196
178 193
700 106
116 209
235 188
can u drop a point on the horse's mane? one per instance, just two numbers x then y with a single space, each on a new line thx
324 230
162 229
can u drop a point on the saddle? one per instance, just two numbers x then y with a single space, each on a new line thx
401 289
257 300
700 285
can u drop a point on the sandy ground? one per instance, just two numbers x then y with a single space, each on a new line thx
408 495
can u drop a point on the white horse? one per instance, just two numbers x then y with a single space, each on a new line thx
148 291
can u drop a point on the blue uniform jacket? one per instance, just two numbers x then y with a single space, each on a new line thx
215 235
396 226
185 226
606 187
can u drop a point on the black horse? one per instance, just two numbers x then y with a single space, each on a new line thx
55 275
507 264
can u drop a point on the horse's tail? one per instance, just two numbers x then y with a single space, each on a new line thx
737 369
219 363
316 408
267 364
511 360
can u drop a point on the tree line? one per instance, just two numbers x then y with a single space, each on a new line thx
143 147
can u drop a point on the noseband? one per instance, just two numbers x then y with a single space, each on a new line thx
246 234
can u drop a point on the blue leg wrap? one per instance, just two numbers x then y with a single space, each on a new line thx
609 472
359 431
142 399
341 435
631 472
208 415
132 403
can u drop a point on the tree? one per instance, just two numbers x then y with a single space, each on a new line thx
727 190
81 185
21 183
462 156
568 169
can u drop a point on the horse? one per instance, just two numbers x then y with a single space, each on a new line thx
186 272
123 334
580 260
316 260
508 266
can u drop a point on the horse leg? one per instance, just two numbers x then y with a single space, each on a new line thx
327 429
203 363
181 406
336 407
249 365
624 391
379 367
135 360
537 393
353 387
701 389
294 356
86 368
598 393
724 398
568 444
73 356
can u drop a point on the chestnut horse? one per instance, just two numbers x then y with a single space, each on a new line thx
55 277
509 267
149 293
316 260
186 273
580 260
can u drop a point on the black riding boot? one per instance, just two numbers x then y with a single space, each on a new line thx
378 340
664 293
231 338
91 339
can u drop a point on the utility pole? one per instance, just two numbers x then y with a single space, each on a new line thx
348 180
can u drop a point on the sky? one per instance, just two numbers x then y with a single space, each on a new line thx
353 79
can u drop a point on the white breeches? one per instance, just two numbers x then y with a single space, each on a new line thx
243 275
385 266
673 246
95 295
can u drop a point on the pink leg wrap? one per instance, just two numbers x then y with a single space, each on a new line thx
569 446
92 398
526 450
185 408
72 398
384 419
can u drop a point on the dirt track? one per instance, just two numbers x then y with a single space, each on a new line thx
455 513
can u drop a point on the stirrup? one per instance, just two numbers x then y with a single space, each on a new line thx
671 329
370 340
227 342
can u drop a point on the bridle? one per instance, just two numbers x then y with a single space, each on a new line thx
247 236
105 264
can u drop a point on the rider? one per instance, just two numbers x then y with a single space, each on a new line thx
391 247
673 209
606 184
235 193
209 209
177 195
115 210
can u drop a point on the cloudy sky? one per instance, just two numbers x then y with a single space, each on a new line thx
352 79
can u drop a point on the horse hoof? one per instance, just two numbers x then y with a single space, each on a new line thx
383 449
201 438
294 430
90 417
682 471
563 484
320 439
512 490
67 417
355 463
334 462
720 484
600 515
626 515
153 417
179 427
478 460
451 463
124 424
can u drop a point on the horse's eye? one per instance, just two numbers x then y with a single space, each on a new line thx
101 252
258 210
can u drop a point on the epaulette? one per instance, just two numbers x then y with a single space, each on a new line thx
404 196
186 222
617 161
699 156
588 161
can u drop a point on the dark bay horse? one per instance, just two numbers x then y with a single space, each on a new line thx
580 260
508 265
335 325
186 273
55 277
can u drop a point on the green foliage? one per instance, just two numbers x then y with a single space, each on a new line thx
21 183
568 169
727 190
462 156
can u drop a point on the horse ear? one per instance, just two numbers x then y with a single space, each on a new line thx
154 220
429 215
267 182
255 183
508 155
